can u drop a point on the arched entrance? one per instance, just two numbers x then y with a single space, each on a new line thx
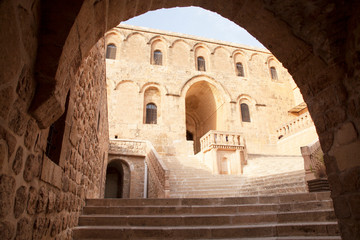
203 103
316 42
117 182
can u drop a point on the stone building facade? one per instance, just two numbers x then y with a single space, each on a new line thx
43 48
195 85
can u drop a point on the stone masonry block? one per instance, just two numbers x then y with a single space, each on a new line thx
7 189
20 201
7 230
18 161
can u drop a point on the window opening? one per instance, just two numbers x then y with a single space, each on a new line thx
273 73
240 70
157 57
245 114
201 64
151 113
111 51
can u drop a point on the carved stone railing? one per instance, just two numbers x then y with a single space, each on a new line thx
158 177
224 152
220 139
297 124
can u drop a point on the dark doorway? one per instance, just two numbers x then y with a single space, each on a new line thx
114 181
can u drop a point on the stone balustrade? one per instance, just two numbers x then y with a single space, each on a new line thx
311 155
297 124
221 139
224 152
159 185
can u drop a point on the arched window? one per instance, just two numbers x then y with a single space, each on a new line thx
111 51
151 113
157 57
245 114
201 64
273 73
239 69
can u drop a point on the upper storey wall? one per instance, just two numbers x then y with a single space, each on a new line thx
135 52
134 61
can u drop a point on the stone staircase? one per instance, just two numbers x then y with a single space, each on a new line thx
293 216
189 178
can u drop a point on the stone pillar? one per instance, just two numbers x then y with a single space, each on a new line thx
306 154
214 157
239 161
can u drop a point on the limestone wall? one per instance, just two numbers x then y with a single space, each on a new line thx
181 86
40 199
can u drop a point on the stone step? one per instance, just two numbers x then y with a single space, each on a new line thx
210 183
262 238
237 184
207 209
215 194
185 177
288 198
206 219
238 194
207 232
223 189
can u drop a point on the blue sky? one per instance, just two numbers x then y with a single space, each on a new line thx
195 21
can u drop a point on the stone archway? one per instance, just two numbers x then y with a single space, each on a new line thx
202 104
316 41
117 184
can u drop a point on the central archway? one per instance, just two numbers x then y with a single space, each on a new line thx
203 104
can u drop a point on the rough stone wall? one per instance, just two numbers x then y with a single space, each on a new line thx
39 199
131 76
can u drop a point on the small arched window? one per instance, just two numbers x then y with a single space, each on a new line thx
111 51
239 69
157 57
151 113
273 73
245 114
201 64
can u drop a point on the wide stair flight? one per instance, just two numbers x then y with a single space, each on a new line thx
301 216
